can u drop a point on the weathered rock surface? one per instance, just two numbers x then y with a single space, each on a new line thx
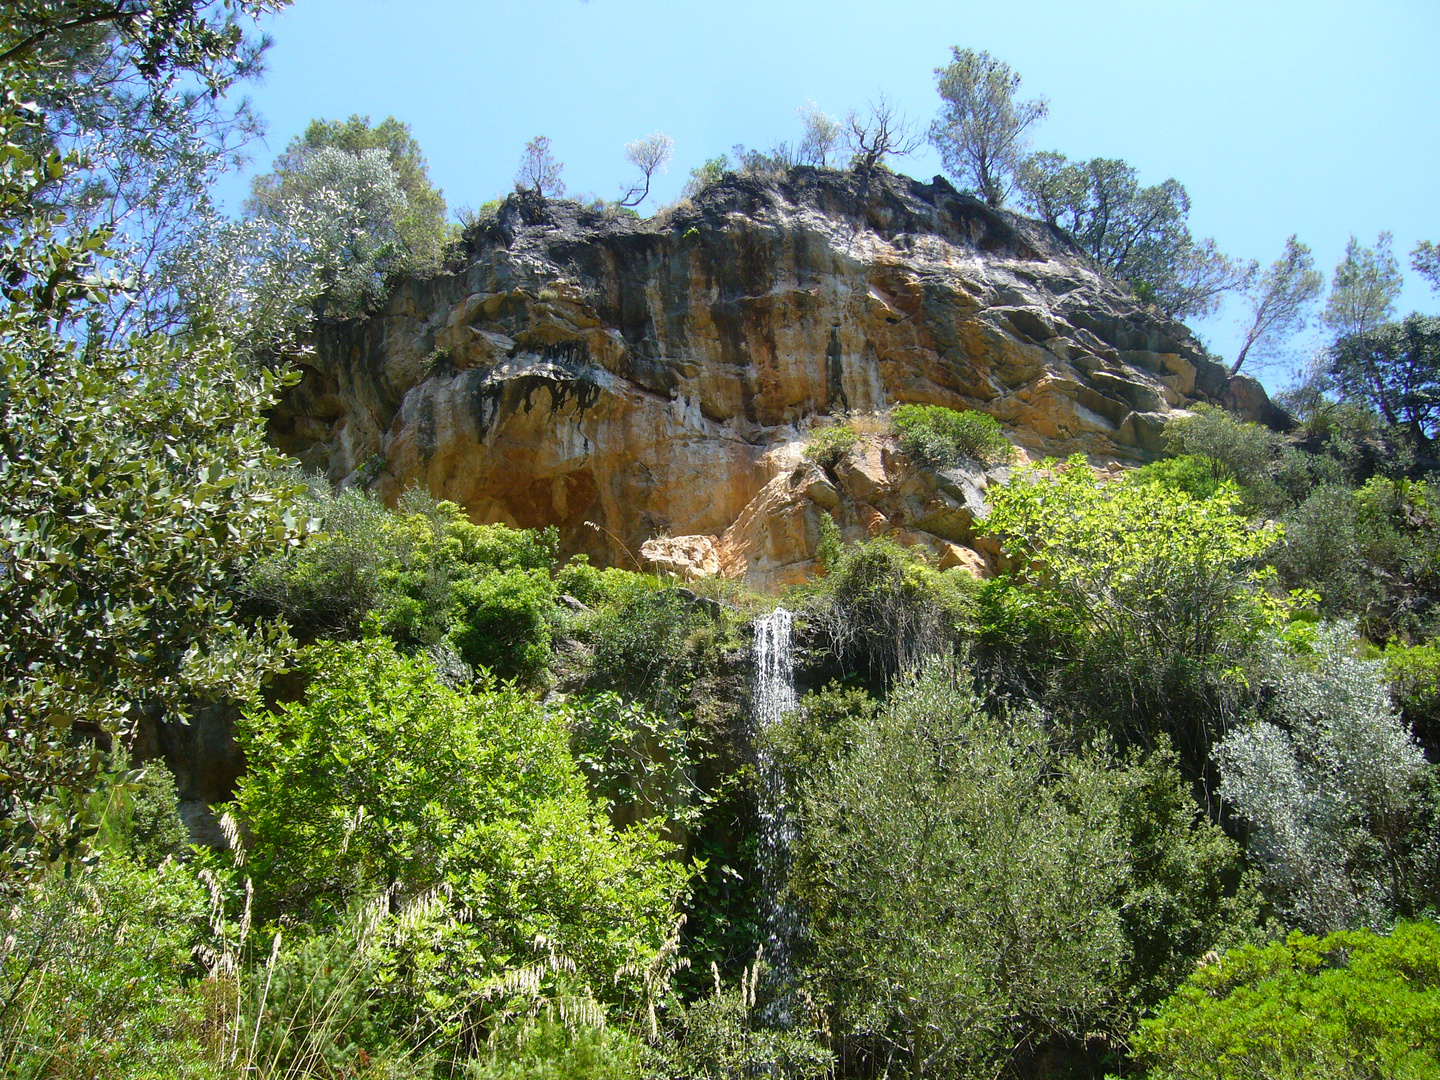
625 379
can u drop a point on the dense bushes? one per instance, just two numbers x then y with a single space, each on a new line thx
427 577
1158 596
944 437
977 893
828 446
384 779
1352 1004
881 608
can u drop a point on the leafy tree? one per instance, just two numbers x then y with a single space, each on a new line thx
383 778
981 130
1426 261
421 231
1394 369
539 172
132 496
822 135
1165 591
650 155
1353 1004
135 90
324 239
1280 300
957 874
1137 234
1364 288
203 37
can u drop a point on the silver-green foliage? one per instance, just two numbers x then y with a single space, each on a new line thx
322 246
1326 779
958 874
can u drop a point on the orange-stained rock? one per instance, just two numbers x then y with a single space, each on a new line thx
628 379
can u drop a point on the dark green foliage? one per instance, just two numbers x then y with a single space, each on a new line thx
131 496
959 876
1350 1005
141 818
326 587
828 446
1372 553
1395 370
1187 890
426 575
944 437
881 608
650 642
820 732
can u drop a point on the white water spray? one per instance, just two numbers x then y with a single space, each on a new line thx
773 697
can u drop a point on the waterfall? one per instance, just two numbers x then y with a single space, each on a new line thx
773 697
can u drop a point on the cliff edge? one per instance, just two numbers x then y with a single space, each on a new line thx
626 380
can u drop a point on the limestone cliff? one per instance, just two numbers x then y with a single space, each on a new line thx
628 379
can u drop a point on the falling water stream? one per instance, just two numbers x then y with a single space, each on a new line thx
773 697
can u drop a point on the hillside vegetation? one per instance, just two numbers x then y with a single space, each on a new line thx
1158 798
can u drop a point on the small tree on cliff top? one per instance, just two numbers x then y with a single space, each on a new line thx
539 171
981 130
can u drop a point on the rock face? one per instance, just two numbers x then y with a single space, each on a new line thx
625 380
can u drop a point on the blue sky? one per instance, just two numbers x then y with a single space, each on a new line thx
1317 117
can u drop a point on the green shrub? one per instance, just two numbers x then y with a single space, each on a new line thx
651 642
425 573
882 608
1165 593
828 446
93 977
548 1050
592 585
1240 450
1198 477
141 818
384 778
1414 673
725 1035
502 622
944 437
1350 1005
962 880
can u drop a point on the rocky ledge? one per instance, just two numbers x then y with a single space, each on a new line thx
654 380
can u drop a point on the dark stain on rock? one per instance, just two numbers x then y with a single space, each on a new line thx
834 374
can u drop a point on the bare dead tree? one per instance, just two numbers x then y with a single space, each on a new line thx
882 133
